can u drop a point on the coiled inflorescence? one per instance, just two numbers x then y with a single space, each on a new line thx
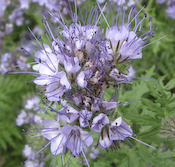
77 66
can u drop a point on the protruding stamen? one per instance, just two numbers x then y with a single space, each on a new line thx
135 17
154 41
143 143
102 10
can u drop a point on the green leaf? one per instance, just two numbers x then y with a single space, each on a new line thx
133 160
156 90
170 85
166 154
151 132
144 119
153 107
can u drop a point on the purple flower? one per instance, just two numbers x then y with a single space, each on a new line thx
125 43
100 1
57 85
22 118
94 153
96 105
17 16
47 65
120 78
104 140
8 28
28 151
171 11
71 65
76 138
4 4
131 48
85 116
99 122
131 72
108 105
52 132
68 114
74 71
6 62
24 4
32 103
120 2
81 80
117 39
160 1
120 130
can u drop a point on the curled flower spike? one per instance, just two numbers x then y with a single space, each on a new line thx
80 63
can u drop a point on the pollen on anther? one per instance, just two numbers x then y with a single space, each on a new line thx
23 163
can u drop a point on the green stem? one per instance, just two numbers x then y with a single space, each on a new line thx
138 4
149 5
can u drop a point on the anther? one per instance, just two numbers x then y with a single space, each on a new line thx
152 34
23 163
155 27
39 37
150 18
133 6
7 72
145 14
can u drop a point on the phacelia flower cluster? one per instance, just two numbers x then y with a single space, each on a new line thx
74 69
21 8
170 7
28 152
26 116
128 3
13 61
